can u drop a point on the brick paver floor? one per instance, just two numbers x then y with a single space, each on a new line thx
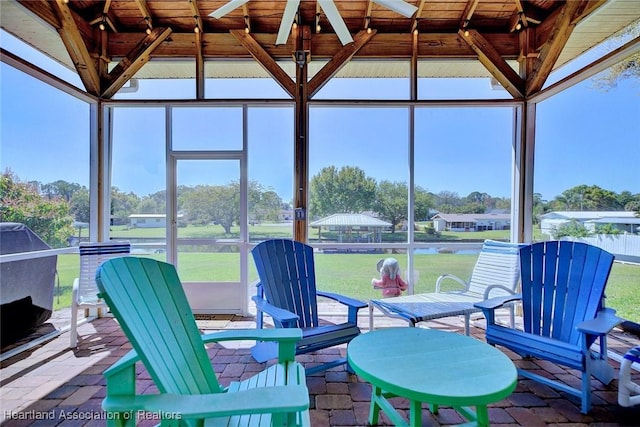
54 385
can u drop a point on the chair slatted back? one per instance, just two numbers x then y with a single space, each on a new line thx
497 264
91 256
563 284
147 298
287 276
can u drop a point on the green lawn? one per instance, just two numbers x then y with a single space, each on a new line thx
262 231
351 274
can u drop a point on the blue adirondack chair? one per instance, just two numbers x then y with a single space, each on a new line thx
148 300
562 299
287 292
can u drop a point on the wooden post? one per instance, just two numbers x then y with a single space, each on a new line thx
301 143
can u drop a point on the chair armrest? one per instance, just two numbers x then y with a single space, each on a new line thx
452 277
497 302
279 335
604 322
279 399
287 318
286 339
492 288
275 334
351 302
122 364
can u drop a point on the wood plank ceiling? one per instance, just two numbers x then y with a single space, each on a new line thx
129 33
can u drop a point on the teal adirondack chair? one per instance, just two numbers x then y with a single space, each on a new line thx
148 300
562 298
287 292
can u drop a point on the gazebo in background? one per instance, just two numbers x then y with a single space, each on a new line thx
352 227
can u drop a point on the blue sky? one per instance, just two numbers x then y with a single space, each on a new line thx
584 136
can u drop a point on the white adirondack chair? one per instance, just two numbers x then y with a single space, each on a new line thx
496 273
85 291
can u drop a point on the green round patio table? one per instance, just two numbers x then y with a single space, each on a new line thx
431 366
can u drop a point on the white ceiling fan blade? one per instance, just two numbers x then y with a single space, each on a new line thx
288 16
331 11
231 5
398 6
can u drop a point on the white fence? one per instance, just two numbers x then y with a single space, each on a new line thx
626 247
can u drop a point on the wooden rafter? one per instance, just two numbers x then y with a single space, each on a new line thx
247 18
562 28
78 51
519 18
130 65
469 9
493 62
195 12
338 61
105 17
144 10
367 15
267 62
416 17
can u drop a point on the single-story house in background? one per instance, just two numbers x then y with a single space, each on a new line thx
471 222
149 220
622 220
352 227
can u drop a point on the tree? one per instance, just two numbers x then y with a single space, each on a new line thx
538 207
607 229
422 204
572 228
633 206
264 204
212 204
391 202
60 188
149 206
347 190
123 205
447 201
155 203
80 204
21 202
588 198
628 68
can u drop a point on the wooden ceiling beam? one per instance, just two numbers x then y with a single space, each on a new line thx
492 61
135 60
266 61
325 46
550 51
75 45
338 61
